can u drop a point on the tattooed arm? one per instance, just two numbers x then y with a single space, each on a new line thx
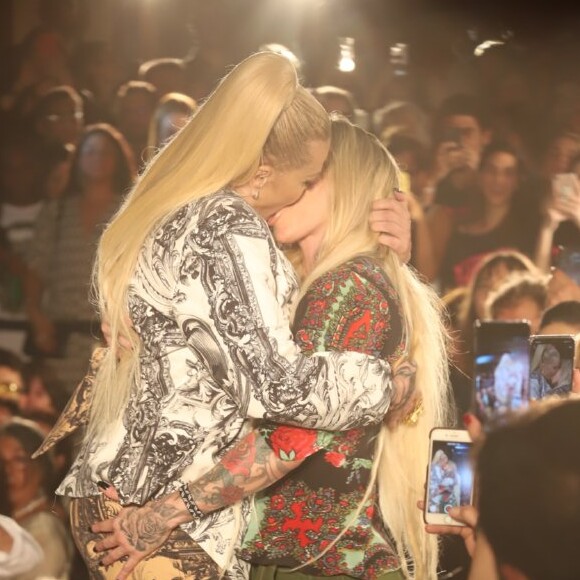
253 464
250 466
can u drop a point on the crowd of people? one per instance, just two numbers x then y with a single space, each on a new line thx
274 287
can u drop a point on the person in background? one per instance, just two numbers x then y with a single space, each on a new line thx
561 219
167 75
470 306
335 99
499 218
29 487
460 134
19 551
170 115
11 384
528 475
563 318
61 257
520 297
59 116
544 376
134 107
98 73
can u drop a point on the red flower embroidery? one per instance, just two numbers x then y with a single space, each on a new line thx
334 458
293 443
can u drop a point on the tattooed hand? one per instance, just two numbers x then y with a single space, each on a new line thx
406 396
136 532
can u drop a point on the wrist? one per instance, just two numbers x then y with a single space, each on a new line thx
186 500
549 225
178 511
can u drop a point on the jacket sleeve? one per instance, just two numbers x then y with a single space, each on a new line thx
236 268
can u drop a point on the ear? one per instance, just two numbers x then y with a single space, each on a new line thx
264 173
509 572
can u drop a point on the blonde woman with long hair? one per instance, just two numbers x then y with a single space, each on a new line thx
330 515
189 274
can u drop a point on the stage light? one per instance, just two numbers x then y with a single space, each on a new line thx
346 59
480 49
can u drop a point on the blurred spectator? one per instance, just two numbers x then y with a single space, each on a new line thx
21 195
98 72
522 296
58 116
561 288
460 133
402 118
61 258
19 551
489 275
529 505
563 318
561 218
42 392
134 107
335 99
30 485
499 218
58 159
167 75
171 114
560 149
43 54
11 384
412 157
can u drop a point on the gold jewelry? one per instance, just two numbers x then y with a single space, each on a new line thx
256 193
412 417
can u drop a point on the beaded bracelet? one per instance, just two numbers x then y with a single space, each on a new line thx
190 503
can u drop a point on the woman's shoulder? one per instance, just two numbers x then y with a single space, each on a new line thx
226 212
362 274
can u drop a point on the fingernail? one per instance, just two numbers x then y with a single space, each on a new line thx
467 419
103 484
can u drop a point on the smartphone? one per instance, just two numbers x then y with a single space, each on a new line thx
551 364
565 185
501 368
567 259
449 475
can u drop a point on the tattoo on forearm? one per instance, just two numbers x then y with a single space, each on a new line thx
247 468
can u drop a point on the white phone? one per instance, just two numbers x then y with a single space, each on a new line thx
449 475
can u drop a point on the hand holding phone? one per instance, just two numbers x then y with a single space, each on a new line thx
449 475
564 203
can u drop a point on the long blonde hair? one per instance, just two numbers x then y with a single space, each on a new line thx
362 171
258 112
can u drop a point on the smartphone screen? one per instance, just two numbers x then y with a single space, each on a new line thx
551 365
567 259
450 475
565 185
502 368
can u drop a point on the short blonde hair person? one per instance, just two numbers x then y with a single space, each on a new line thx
362 171
258 113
